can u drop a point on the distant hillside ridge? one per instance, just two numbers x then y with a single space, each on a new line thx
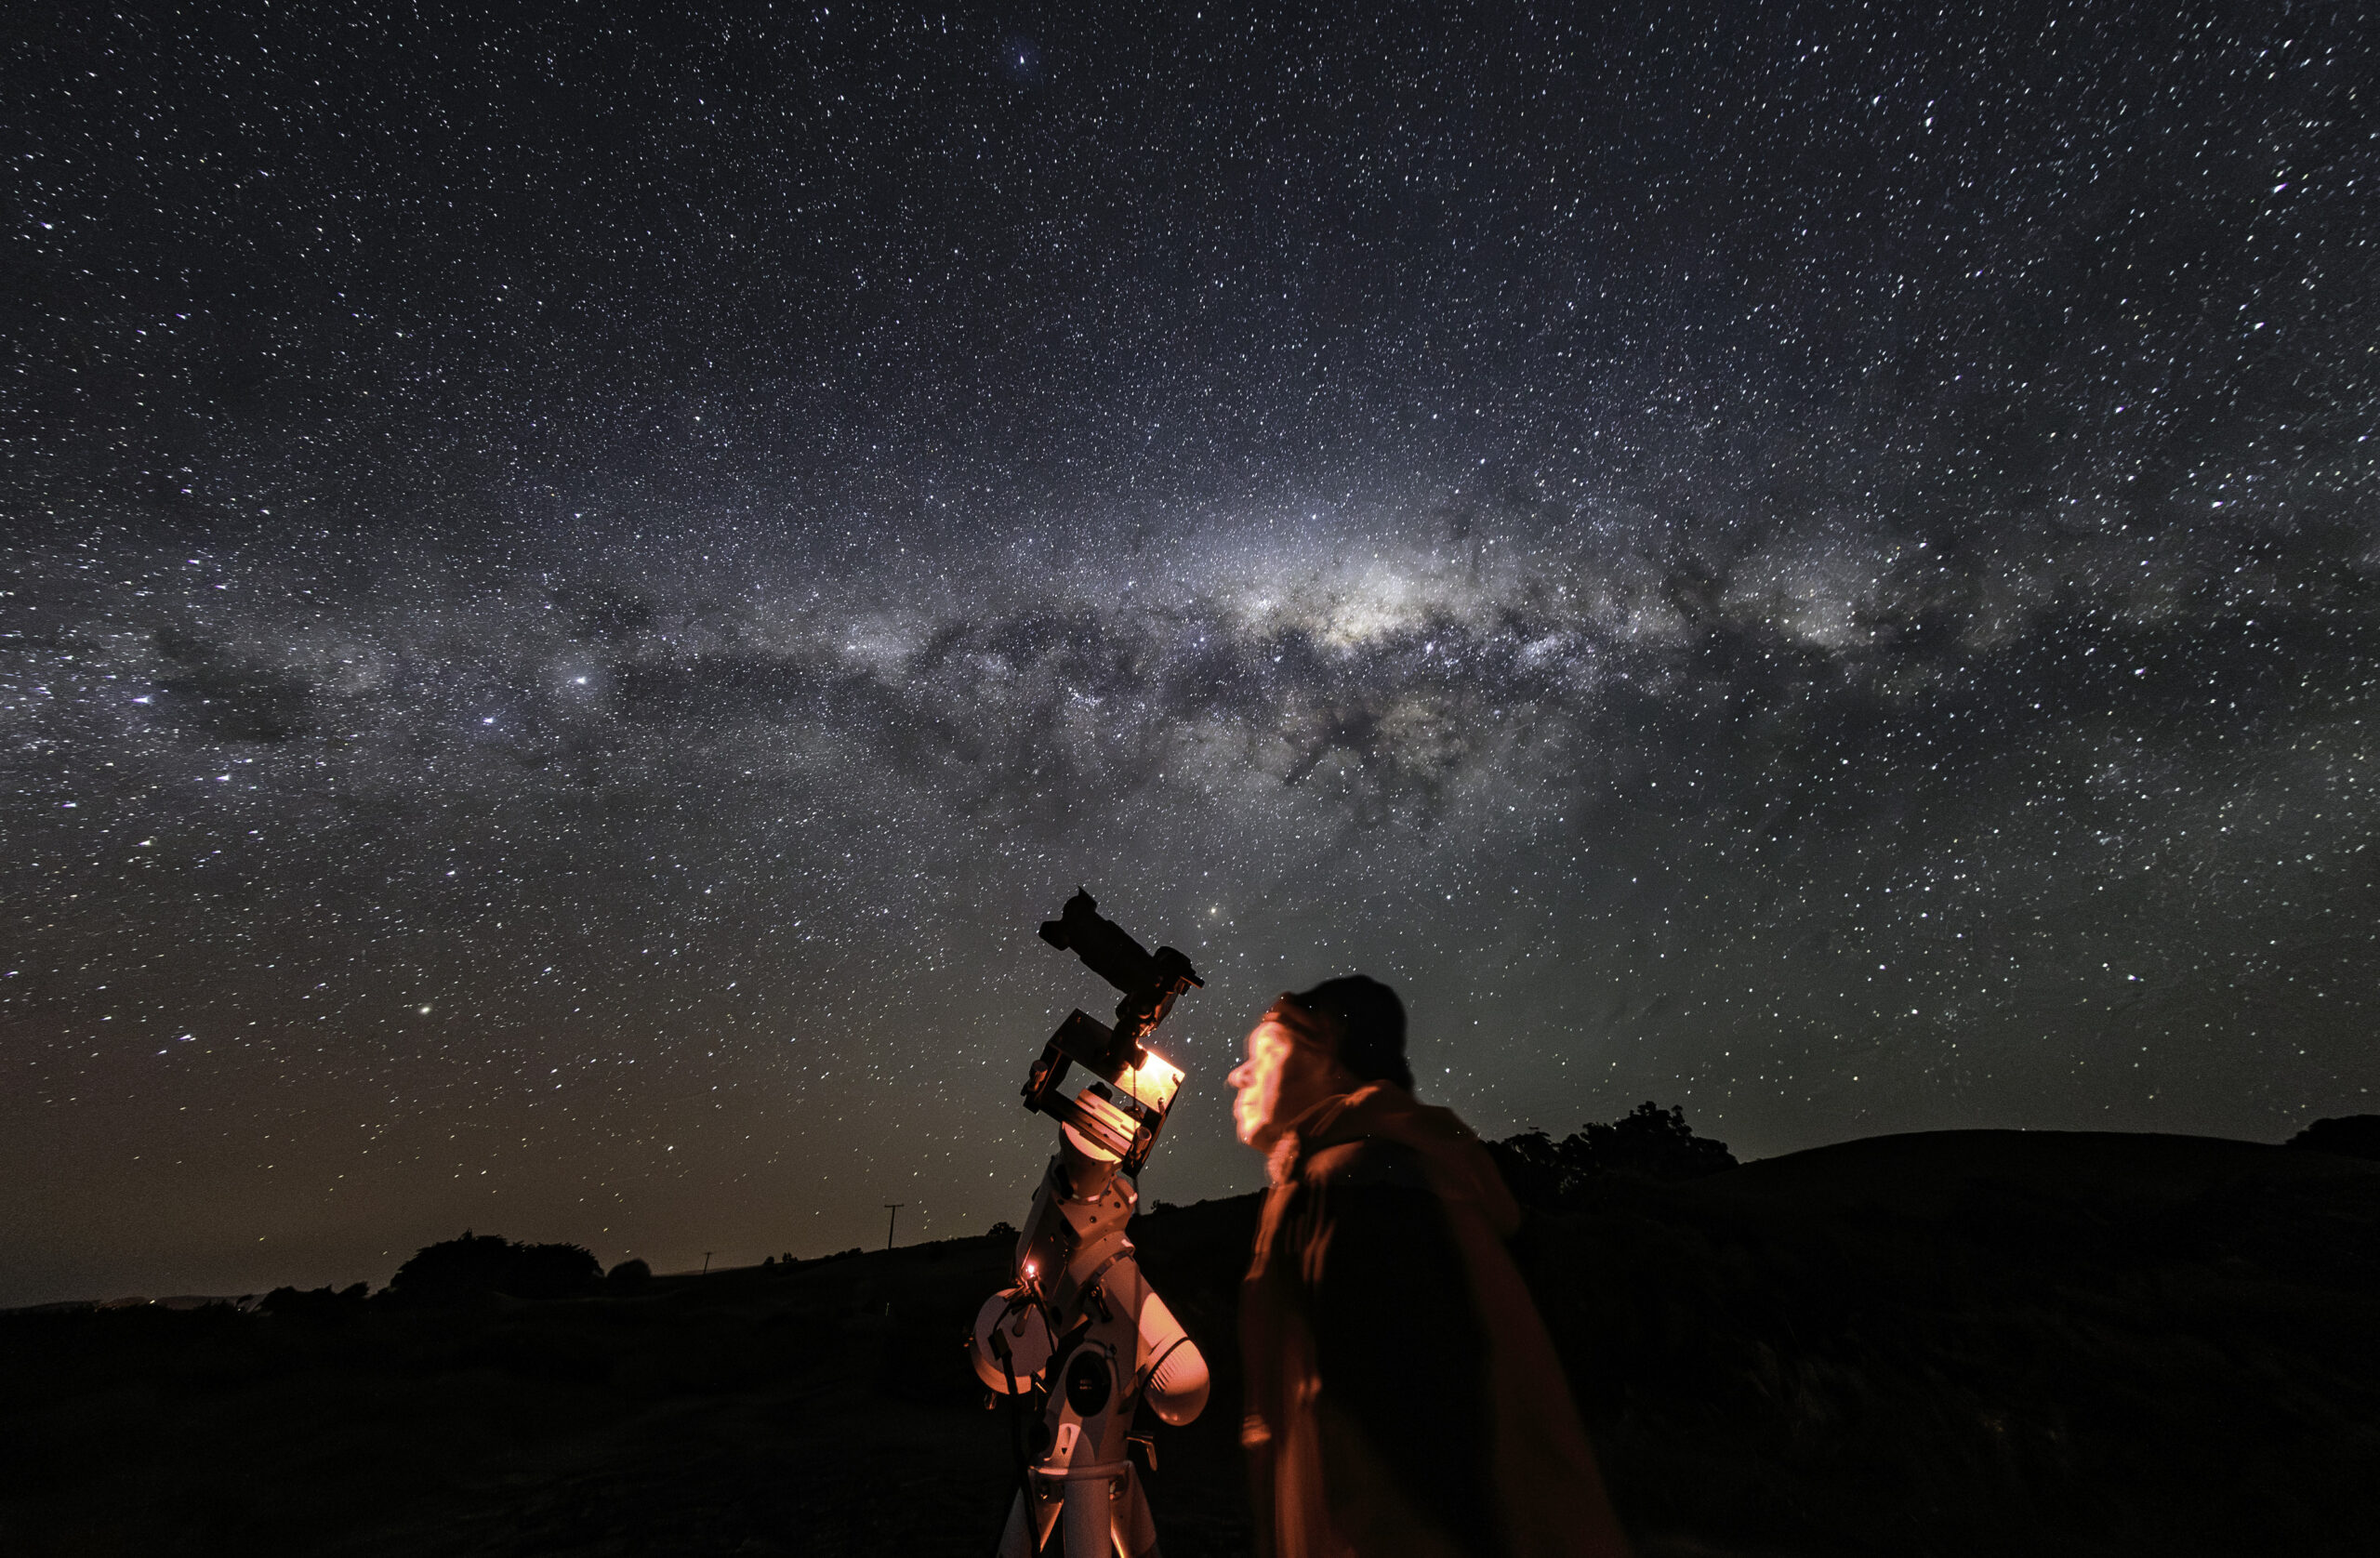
1923 1172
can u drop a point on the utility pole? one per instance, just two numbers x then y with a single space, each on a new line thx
893 1207
706 1263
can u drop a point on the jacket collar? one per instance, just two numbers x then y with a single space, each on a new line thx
1459 1167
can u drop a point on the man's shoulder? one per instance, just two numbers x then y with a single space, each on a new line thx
1368 1162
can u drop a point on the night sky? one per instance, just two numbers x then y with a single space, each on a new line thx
573 585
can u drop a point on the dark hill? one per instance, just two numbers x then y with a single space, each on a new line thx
1953 1344
1925 1172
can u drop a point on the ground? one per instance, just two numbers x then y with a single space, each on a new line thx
1969 1342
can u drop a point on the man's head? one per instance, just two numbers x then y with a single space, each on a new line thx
1314 1045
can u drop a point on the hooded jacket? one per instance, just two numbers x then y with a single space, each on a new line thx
1385 1226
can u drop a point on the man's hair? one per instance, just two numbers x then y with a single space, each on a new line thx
1372 1026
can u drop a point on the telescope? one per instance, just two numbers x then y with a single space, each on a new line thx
1123 1107
1079 1334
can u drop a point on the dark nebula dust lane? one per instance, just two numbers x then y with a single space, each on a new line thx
571 589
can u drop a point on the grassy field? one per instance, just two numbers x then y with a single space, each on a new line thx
1977 1343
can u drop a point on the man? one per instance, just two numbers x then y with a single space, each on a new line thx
1403 1397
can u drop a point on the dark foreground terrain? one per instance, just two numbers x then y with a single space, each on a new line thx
1971 1342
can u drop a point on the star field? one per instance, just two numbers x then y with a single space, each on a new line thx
571 589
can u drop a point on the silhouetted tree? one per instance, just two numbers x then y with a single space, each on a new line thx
1651 1143
457 1271
1001 1229
1654 1143
2346 1136
632 1272
316 1303
1536 1168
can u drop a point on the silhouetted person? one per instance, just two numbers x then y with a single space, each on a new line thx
1403 1397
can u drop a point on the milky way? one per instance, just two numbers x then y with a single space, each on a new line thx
572 592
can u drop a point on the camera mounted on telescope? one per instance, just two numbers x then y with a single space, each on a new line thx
1122 1110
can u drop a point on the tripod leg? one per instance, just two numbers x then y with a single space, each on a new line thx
1135 1532
1016 1541
1013 1543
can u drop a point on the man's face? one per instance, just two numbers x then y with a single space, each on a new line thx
1255 1111
1280 1079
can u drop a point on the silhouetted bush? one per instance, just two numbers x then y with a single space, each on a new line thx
2347 1136
316 1303
632 1272
1655 1145
1651 1143
458 1271
1535 1168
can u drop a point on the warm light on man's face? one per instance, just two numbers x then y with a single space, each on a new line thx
1282 1079
1258 1079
